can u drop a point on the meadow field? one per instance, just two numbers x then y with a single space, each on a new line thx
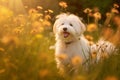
27 44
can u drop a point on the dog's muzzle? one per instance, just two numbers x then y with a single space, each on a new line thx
66 34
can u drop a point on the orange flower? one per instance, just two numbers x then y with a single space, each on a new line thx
111 78
76 60
63 4
94 55
43 73
50 11
39 7
87 10
113 10
91 27
108 14
89 38
97 15
115 5
62 56
2 71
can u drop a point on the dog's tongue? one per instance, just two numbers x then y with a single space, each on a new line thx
66 34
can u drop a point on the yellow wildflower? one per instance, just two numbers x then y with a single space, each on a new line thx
63 4
108 14
44 73
97 15
113 10
2 71
89 38
87 10
39 36
76 60
111 78
26 7
115 5
91 27
39 7
50 11
62 56
10 40
94 55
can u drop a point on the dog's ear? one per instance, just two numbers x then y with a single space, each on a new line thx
54 28
62 15
82 26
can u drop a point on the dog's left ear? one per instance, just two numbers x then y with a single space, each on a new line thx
82 26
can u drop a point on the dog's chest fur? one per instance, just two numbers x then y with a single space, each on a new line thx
78 48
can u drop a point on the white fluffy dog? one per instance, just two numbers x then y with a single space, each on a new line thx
71 49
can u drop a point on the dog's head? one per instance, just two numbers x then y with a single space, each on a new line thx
68 25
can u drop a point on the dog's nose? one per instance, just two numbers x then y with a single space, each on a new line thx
65 29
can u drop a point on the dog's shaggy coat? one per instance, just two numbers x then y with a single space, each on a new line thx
70 42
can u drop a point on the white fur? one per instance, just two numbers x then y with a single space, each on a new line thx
78 44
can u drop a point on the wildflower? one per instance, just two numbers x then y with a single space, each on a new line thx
50 11
37 27
91 27
46 11
41 20
89 38
94 55
44 73
113 10
33 31
44 57
91 43
63 4
39 15
10 40
108 14
46 23
47 17
116 20
2 71
39 7
90 14
31 11
107 33
97 15
115 5
1 49
87 10
39 36
17 30
62 56
76 60
111 78
26 7
78 77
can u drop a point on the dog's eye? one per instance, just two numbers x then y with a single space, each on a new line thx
62 24
71 24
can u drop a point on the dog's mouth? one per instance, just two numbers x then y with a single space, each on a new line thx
66 34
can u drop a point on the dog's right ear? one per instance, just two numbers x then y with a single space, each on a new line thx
62 15
54 28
